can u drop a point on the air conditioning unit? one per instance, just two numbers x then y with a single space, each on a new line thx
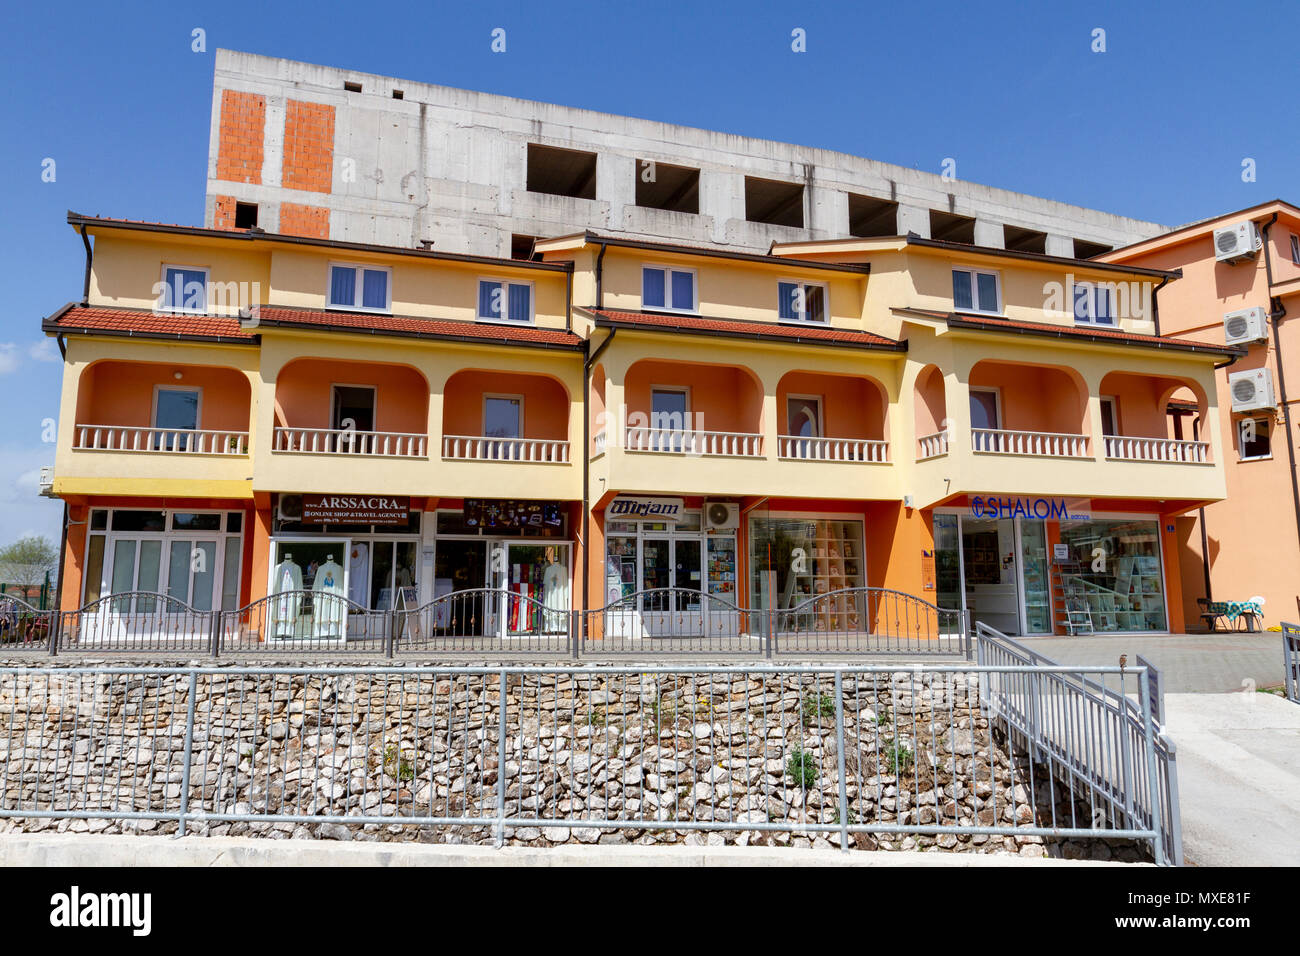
721 515
289 508
1245 325
45 484
1251 390
1239 241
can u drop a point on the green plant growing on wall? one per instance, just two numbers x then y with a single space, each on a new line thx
396 765
801 768
816 707
898 757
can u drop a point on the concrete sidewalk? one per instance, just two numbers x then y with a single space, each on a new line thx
69 849
1189 663
1238 777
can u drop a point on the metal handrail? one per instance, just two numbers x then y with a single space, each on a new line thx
1291 660
24 627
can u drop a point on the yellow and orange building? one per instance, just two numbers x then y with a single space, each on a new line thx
938 418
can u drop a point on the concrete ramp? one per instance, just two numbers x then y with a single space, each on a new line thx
1238 777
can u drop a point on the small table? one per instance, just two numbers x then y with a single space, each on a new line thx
1248 611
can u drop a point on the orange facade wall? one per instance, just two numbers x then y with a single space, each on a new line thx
1035 398
851 407
722 398
308 147
303 396
122 393
546 402
241 131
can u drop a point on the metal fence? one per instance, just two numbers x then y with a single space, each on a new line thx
1096 730
502 623
24 627
838 752
1291 660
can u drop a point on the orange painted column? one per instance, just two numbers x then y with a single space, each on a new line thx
258 542
897 538
73 555
1173 576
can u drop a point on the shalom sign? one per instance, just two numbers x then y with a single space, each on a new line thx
356 509
1011 506
636 508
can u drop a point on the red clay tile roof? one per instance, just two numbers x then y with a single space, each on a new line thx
995 324
404 325
732 327
77 318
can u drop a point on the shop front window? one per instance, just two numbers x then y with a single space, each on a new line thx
1121 575
797 559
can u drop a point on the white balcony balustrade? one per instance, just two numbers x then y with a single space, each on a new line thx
800 448
1120 448
684 441
932 446
486 448
175 441
1001 441
344 441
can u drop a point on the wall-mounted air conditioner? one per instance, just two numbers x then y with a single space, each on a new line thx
45 484
721 515
1251 390
1245 326
1236 242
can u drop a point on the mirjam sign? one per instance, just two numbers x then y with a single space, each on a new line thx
629 506
355 509
1054 509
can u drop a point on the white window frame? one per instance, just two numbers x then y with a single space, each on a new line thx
505 284
358 286
374 411
805 284
1091 285
684 390
997 403
198 411
1113 402
821 423
974 289
1241 445
179 308
668 288
506 397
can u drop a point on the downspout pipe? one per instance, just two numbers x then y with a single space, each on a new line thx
1276 312
587 365
600 278
90 258
1155 303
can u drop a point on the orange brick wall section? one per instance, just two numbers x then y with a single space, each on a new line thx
298 220
308 147
239 149
224 216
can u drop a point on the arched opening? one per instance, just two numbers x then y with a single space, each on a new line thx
326 406
163 407
491 415
830 417
689 407
931 413
1153 417
1024 409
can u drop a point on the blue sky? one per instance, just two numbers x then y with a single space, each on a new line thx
1156 127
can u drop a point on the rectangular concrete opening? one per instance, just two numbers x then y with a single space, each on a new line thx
1083 249
661 186
352 87
245 215
1024 240
951 228
870 217
772 202
561 172
521 247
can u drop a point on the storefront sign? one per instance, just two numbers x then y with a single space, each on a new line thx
636 508
356 509
1061 552
1052 509
507 515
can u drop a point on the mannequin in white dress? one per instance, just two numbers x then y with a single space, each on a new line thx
286 586
358 573
555 594
328 599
